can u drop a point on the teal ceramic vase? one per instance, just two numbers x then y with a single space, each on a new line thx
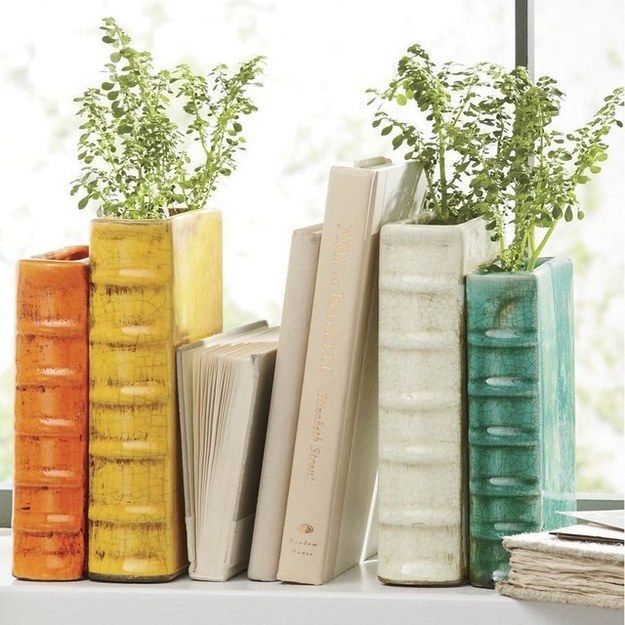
521 408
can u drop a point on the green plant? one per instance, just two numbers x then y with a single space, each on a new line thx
465 121
542 167
491 151
137 163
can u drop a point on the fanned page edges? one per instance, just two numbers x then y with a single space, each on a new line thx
223 427
184 358
539 562
544 542
51 410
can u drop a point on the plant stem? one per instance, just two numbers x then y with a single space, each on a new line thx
466 98
536 255
502 243
428 178
441 173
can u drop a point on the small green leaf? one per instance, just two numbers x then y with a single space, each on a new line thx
387 130
147 170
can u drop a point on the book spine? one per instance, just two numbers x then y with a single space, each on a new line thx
285 403
134 527
320 461
51 417
155 285
504 418
422 408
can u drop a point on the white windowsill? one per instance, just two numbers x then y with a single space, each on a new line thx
355 597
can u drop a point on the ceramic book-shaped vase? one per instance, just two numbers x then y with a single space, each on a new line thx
521 408
156 284
49 533
422 408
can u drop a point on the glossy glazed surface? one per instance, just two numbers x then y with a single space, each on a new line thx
155 285
51 416
422 473
521 408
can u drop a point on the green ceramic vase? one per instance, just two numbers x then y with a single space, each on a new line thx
521 408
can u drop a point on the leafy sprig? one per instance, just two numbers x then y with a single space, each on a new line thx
135 159
491 151
543 168
458 106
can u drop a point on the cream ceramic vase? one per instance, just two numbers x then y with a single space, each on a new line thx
423 507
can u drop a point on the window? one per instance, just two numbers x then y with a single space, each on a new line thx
321 57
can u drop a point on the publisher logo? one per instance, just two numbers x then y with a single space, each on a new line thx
305 528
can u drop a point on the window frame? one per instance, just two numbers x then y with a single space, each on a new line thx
6 504
585 501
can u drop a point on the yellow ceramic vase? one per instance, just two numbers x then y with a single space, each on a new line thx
155 284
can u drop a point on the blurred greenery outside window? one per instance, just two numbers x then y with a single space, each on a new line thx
312 114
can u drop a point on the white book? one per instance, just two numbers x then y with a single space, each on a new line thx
285 401
331 494
224 388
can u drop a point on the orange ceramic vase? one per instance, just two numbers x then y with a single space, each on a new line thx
51 407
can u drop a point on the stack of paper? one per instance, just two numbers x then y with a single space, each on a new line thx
581 564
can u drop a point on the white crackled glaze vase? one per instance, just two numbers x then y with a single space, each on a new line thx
423 505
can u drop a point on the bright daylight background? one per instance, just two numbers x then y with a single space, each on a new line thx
321 56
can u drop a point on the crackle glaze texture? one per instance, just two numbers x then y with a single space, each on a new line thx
51 416
155 285
422 399
521 408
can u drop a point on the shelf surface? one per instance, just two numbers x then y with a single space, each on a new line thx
355 597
